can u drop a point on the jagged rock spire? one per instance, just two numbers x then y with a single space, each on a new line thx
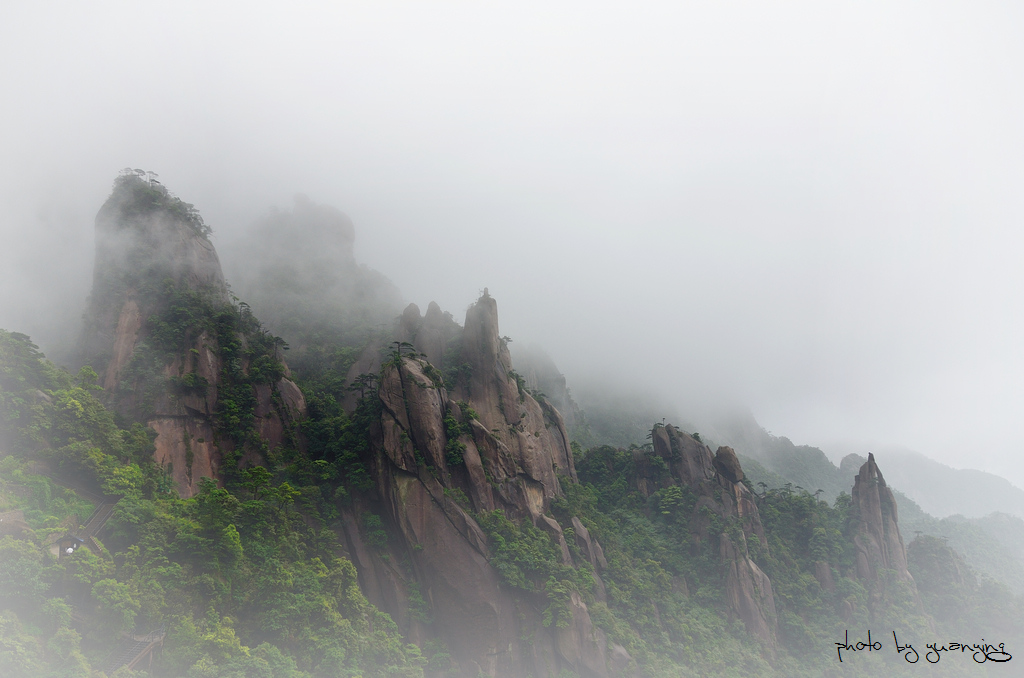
876 525
509 452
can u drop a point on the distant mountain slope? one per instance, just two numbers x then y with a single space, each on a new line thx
620 416
944 491
298 270
940 490
802 465
993 545
978 514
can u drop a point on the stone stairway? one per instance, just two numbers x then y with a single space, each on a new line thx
101 514
132 650
99 517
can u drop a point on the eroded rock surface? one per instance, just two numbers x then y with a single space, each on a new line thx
881 558
156 274
485 445
715 479
541 374
875 522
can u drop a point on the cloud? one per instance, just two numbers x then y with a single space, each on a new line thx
812 209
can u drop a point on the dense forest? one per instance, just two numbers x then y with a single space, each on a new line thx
204 498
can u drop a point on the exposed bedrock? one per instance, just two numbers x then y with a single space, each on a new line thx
151 250
511 453
715 480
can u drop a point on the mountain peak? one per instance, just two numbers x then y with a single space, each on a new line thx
170 347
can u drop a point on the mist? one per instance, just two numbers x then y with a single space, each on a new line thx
811 212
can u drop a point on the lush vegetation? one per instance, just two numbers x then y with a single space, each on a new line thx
246 580
665 594
141 193
665 599
336 438
529 560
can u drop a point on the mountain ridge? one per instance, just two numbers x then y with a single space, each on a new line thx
405 502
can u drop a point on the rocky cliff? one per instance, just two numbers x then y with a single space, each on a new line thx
450 483
874 524
461 435
716 480
446 458
146 241
169 346
880 558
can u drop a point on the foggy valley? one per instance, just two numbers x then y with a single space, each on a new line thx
564 342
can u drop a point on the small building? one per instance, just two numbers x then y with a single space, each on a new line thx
66 545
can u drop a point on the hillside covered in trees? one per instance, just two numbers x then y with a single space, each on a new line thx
401 500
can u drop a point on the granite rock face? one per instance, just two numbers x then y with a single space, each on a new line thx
875 523
541 374
445 452
881 557
715 480
150 246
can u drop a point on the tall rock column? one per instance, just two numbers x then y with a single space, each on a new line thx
441 459
167 342
881 558
875 524
532 431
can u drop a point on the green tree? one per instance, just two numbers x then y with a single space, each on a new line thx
118 607
256 478
285 494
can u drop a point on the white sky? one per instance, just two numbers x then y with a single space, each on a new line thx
812 208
